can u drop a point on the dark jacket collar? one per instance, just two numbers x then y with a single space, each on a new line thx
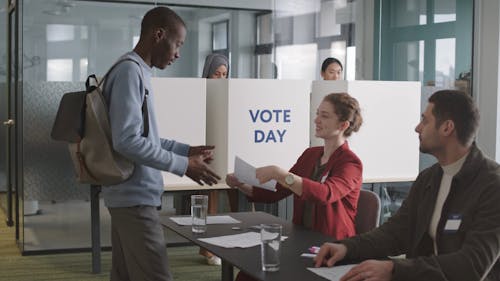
472 164
466 174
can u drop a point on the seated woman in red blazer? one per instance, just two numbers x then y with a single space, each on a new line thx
325 180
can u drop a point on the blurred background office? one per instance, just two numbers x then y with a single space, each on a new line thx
51 46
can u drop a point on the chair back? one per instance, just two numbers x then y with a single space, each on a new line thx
368 215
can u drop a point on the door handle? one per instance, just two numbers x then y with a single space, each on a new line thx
9 123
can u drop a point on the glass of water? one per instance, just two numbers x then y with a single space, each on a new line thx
199 207
270 247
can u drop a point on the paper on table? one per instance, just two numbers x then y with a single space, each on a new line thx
243 240
221 220
246 174
308 255
210 220
332 273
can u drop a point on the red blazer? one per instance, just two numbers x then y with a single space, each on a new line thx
335 199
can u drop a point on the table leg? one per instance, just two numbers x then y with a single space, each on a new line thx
227 271
95 228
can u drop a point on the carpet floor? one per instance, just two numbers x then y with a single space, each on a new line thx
185 263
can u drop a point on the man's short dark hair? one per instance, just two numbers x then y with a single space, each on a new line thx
460 108
161 17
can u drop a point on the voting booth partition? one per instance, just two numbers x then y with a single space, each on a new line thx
386 143
180 106
271 122
263 121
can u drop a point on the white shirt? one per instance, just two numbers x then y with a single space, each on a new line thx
449 171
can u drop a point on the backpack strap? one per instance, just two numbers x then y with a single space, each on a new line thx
145 115
144 108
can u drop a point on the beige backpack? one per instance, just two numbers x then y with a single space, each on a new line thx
82 120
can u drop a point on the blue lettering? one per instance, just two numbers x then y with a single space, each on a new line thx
267 115
281 134
254 117
286 115
266 119
270 137
277 113
258 136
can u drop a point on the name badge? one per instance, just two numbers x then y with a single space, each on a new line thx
453 223
323 179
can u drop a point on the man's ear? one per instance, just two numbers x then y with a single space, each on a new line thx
448 127
159 34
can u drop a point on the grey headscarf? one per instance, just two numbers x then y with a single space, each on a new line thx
212 62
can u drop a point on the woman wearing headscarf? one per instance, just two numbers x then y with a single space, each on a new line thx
216 67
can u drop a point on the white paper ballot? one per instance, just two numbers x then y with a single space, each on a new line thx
242 240
210 220
246 174
332 273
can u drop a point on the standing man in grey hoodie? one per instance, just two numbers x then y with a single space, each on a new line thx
138 243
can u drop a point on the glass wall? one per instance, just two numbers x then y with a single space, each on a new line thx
307 32
3 103
79 38
428 41
64 42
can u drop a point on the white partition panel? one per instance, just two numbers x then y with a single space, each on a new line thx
263 121
180 105
386 143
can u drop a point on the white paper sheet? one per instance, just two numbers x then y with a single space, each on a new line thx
210 220
332 273
307 255
246 174
242 240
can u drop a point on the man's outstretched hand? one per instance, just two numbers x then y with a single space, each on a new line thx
207 151
198 170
